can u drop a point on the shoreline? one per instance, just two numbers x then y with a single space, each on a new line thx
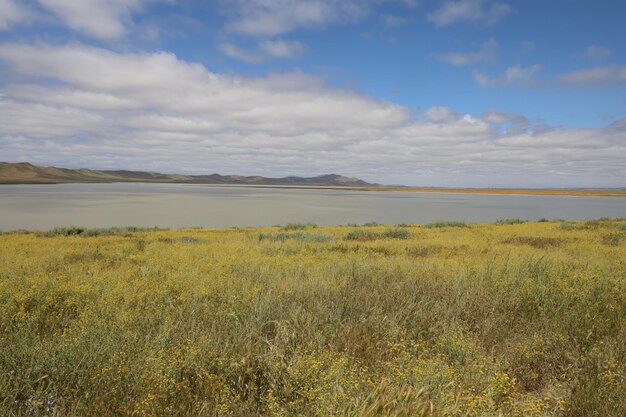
573 192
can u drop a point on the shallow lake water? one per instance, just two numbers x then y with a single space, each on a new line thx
38 207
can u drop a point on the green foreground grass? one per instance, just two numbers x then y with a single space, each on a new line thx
508 319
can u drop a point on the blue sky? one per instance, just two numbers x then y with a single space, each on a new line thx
420 92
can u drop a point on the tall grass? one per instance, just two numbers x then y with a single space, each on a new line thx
437 322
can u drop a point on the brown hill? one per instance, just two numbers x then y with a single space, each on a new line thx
26 173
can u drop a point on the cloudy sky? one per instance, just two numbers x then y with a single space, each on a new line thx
524 93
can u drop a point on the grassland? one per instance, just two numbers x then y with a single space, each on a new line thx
508 319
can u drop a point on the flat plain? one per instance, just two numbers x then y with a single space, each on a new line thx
446 319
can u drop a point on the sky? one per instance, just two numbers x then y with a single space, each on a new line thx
478 93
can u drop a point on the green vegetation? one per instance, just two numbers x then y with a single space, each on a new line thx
441 224
390 233
299 226
304 237
85 232
509 320
502 222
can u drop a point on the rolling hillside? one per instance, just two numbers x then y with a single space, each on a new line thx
26 173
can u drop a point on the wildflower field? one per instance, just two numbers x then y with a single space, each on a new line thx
448 319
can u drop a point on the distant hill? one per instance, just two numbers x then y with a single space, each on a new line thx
26 173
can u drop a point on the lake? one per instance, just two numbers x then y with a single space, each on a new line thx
38 207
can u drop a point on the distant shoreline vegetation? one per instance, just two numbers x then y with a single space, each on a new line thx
25 173
306 231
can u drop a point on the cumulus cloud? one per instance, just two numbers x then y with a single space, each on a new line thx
268 49
516 76
459 59
441 114
12 13
241 54
106 20
102 19
596 76
74 105
498 117
282 49
275 17
483 11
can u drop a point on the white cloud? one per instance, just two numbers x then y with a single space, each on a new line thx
483 11
459 59
12 13
103 19
282 49
498 118
596 53
440 114
275 17
154 111
392 21
516 76
596 76
240 54
266 50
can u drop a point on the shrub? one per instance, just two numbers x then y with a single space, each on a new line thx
299 226
440 224
362 235
184 239
396 233
80 231
502 222
302 237
391 233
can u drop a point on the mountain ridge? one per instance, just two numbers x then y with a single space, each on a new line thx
27 173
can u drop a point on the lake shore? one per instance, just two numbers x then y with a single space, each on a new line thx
574 192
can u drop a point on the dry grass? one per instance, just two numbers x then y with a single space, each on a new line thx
511 320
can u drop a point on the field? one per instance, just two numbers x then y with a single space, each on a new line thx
507 319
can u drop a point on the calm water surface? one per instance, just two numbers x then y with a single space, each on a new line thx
39 207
